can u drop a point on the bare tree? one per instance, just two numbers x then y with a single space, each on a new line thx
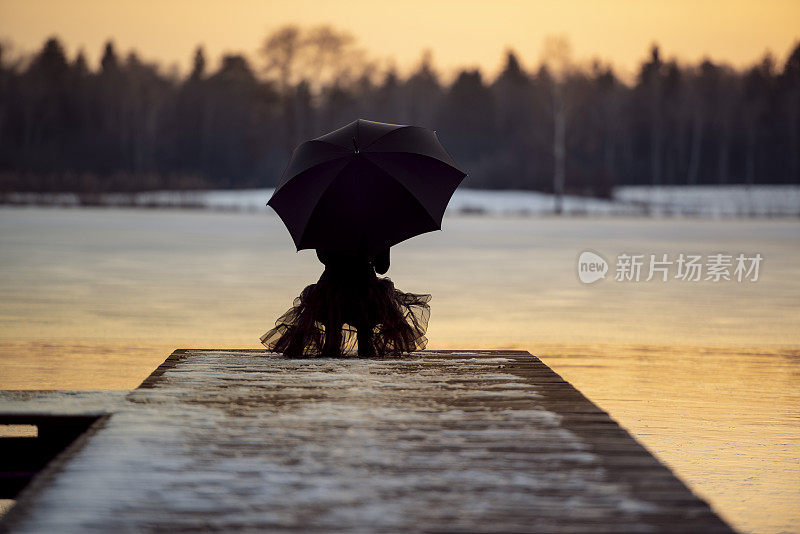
696 95
315 57
755 88
790 86
557 53
651 85
727 103
609 96
424 92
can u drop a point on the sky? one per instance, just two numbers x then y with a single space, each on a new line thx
464 33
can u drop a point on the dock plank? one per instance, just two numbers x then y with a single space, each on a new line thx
437 441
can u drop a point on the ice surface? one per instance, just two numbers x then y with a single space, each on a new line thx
697 201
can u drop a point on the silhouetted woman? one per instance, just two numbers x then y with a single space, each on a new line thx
350 306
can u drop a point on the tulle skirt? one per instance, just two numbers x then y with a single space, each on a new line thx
334 319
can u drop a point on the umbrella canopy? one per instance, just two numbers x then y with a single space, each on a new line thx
367 184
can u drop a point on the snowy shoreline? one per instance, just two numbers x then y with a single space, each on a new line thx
662 201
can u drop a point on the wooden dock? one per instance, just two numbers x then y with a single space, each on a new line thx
437 441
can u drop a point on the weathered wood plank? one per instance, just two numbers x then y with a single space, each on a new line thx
438 441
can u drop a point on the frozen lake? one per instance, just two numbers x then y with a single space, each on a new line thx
703 373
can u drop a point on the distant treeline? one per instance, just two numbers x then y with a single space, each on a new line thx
129 126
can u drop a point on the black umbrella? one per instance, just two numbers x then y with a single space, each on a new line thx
366 184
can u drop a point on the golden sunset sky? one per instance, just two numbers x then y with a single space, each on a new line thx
460 33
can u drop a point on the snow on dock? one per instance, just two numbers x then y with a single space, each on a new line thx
456 441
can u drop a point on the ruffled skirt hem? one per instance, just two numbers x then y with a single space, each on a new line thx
378 320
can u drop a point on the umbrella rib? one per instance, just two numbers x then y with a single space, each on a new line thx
345 155
316 203
449 155
420 155
364 148
333 144
400 182
403 127
406 126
